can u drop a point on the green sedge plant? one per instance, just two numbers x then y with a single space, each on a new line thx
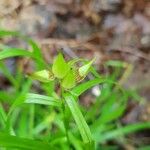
49 120
68 75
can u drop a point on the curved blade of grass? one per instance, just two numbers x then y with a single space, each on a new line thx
9 141
87 85
4 33
75 142
44 125
42 99
3 116
12 52
78 90
36 50
21 95
94 72
80 121
105 118
110 107
8 52
8 74
122 131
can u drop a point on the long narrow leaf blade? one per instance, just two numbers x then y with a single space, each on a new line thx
9 141
123 131
36 50
85 86
5 33
79 119
42 99
12 52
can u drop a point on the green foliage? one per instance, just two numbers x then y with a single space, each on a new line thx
9 141
50 121
83 71
42 99
43 76
79 119
65 72
69 80
60 68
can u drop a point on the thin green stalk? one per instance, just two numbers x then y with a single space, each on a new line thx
2 115
64 116
31 119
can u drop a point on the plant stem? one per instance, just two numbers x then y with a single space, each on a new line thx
31 122
64 116
2 115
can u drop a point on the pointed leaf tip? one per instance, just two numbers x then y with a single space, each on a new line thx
60 67
84 70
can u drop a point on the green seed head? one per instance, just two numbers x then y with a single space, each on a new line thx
43 76
84 70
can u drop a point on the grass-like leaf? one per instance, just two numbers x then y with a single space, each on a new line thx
35 48
12 52
3 116
38 54
80 121
9 141
5 33
42 99
111 110
77 91
8 52
20 97
123 131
